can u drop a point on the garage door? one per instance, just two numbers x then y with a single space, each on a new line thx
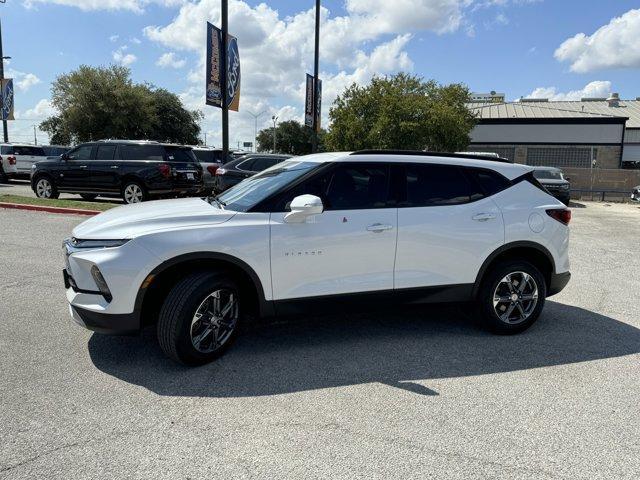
631 153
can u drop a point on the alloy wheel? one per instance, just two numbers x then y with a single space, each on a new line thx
515 297
133 193
44 188
214 321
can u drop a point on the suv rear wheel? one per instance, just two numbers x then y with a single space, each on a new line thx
199 319
45 188
133 192
512 295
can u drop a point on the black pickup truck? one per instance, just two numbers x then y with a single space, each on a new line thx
133 170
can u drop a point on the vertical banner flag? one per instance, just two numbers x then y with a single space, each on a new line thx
7 99
214 53
312 104
308 103
318 105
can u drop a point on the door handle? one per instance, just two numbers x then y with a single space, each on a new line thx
483 217
378 227
115 166
82 166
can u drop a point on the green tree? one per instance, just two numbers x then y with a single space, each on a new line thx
401 112
291 137
95 103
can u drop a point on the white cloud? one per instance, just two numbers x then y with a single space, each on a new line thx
169 60
41 110
614 45
87 5
598 88
125 59
23 81
114 38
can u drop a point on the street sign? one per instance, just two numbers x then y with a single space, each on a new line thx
313 104
7 99
214 54
247 144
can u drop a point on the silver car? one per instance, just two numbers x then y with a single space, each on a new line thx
211 159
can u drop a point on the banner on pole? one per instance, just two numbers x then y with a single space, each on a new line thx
214 54
309 117
313 104
7 99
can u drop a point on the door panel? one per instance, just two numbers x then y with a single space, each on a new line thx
348 248
105 170
76 173
445 245
332 253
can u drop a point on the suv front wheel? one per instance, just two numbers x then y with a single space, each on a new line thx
45 188
199 319
511 297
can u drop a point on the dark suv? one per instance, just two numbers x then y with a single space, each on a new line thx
133 170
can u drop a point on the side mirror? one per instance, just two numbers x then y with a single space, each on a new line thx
64 156
302 207
568 179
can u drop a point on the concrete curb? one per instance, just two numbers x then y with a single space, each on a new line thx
43 208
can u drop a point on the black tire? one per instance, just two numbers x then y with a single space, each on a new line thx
178 312
42 191
3 176
88 196
490 282
132 185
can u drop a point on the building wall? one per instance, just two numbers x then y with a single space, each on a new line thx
560 133
561 156
603 179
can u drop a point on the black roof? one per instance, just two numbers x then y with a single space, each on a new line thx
431 154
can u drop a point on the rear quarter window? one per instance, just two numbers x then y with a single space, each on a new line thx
141 152
490 182
177 154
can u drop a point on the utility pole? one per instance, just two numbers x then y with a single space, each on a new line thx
223 81
205 139
255 127
275 119
35 136
316 62
2 58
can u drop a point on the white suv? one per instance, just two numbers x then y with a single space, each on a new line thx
331 230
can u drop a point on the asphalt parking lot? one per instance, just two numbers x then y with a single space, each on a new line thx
23 187
419 394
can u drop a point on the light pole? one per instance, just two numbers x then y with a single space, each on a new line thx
223 80
255 127
316 61
2 59
275 119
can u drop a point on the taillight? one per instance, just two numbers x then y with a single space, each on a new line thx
165 170
563 215
221 171
212 169
12 160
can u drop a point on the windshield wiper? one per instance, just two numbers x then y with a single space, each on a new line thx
216 198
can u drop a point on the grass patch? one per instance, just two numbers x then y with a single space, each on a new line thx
56 203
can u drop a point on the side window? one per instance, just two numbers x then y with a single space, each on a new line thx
263 163
6 150
490 182
38 151
105 152
247 165
430 185
141 152
348 186
81 153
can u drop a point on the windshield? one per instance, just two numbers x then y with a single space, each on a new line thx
548 174
248 193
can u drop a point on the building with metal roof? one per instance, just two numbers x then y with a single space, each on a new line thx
602 132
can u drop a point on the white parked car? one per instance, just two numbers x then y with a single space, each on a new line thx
8 163
330 230
24 155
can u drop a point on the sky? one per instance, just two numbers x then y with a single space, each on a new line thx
557 49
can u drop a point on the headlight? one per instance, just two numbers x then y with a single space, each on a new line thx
97 243
565 187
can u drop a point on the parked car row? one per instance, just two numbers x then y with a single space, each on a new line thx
137 170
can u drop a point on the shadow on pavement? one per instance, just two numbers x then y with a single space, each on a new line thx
397 350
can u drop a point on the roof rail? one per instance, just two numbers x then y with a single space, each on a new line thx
431 154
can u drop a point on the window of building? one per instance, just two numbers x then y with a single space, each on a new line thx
579 157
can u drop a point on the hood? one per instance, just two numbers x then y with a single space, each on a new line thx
130 221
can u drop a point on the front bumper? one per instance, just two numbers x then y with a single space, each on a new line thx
106 323
558 282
